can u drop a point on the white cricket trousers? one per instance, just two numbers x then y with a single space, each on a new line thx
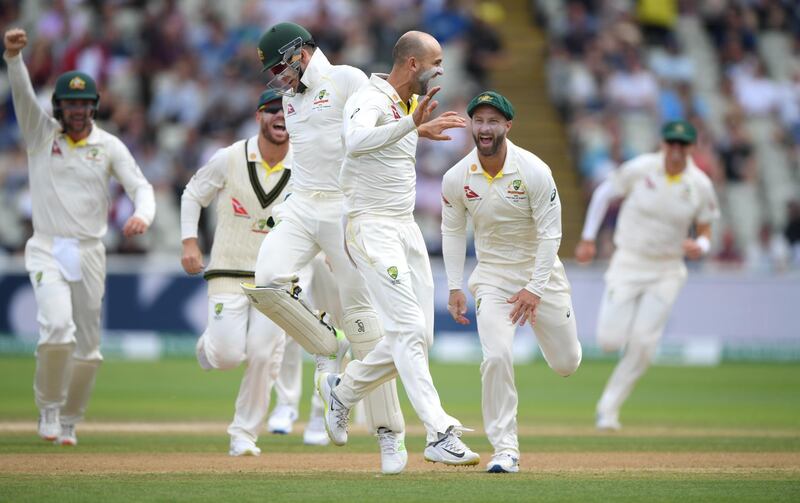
310 222
637 300
556 333
391 254
238 333
68 351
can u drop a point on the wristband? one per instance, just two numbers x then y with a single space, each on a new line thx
704 244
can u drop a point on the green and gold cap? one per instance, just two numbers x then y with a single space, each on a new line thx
679 131
493 99
267 97
75 85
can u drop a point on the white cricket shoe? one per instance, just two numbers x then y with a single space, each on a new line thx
336 415
243 447
450 450
49 426
67 436
315 433
503 463
200 352
394 455
607 423
282 420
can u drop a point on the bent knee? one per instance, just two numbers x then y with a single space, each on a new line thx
567 365
57 331
225 358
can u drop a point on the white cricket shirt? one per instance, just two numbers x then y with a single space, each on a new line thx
379 175
314 122
513 215
658 210
69 181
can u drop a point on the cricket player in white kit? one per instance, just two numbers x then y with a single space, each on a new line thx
70 161
247 179
665 194
382 123
511 197
311 220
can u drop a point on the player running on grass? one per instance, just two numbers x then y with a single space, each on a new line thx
511 197
70 161
665 195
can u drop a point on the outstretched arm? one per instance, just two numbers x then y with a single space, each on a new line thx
34 123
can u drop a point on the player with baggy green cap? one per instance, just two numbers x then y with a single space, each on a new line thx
70 163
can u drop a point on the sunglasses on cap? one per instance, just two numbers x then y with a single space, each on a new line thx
271 108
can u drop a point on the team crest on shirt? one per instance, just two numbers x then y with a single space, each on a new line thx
39 275
260 226
218 307
94 155
470 194
515 191
478 306
238 209
393 274
321 100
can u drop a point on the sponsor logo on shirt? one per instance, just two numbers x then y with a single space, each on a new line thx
650 184
238 209
395 112
290 109
446 202
471 194
56 150
553 195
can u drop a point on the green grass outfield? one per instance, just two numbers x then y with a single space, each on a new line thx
728 433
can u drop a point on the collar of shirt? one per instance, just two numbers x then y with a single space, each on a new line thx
379 80
509 166
317 67
92 139
254 155
690 165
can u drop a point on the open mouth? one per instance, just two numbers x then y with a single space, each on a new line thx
485 140
279 126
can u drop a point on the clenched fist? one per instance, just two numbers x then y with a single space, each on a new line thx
15 40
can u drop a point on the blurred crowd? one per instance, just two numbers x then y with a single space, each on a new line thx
618 69
180 78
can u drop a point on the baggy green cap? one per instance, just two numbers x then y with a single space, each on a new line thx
276 39
75 85
268 96
493 99
679 131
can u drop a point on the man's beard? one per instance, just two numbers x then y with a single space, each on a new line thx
491 149
424 79
267 134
